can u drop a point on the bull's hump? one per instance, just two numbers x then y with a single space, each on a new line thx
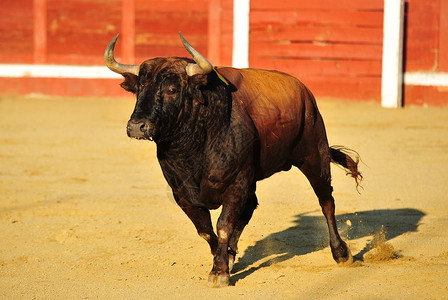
269 89
275 102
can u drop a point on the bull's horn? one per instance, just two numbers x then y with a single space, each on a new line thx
112 64
200 60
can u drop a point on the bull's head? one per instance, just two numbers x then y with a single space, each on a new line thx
166 89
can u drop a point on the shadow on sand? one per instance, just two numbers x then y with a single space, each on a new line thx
310 234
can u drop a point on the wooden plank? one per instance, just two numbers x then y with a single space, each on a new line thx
144 31
95 23
170 16
82 27
276 32
171 39
158 24
319 67
319 18
227 32
443 36
346 87
149 52
425 95
70 44
64 87
421 42
128 30
335 47
214 32
40 30
170 45
171 23
343 79
19 58
185 6
157 33
16 30
316 50
317 5
79 59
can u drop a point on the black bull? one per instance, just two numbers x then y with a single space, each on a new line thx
220 130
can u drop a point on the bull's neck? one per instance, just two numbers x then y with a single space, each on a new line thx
193 132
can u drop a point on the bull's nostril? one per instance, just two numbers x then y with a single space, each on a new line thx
137 129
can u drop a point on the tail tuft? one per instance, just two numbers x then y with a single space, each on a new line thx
348 159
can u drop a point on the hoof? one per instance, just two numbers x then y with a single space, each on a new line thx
218 281
342 254
347 262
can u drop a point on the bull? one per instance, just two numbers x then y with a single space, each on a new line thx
218 131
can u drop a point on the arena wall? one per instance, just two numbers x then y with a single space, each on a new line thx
333 46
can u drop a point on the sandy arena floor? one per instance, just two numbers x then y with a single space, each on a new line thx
85 212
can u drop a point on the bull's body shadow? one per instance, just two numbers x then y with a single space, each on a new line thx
311 234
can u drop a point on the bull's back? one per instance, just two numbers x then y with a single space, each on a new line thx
278 105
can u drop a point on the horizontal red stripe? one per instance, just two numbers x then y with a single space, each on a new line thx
318 67
279 32
425 95
319 17
316 50
317 4
63 87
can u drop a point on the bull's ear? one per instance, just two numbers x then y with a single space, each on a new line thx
195 85
130 82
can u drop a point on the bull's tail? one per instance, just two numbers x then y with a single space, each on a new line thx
348 159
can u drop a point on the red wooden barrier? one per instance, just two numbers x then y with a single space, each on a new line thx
63 87
128 31
40 31
443 36
16 30
426 48
334 46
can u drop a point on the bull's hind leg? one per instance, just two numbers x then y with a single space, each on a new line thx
317 171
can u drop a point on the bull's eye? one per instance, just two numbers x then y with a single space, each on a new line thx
172 90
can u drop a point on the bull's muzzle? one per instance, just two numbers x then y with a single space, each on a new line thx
138 129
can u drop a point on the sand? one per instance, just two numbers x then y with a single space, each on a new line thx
85 212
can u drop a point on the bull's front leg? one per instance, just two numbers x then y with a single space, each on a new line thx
201 219
231 211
